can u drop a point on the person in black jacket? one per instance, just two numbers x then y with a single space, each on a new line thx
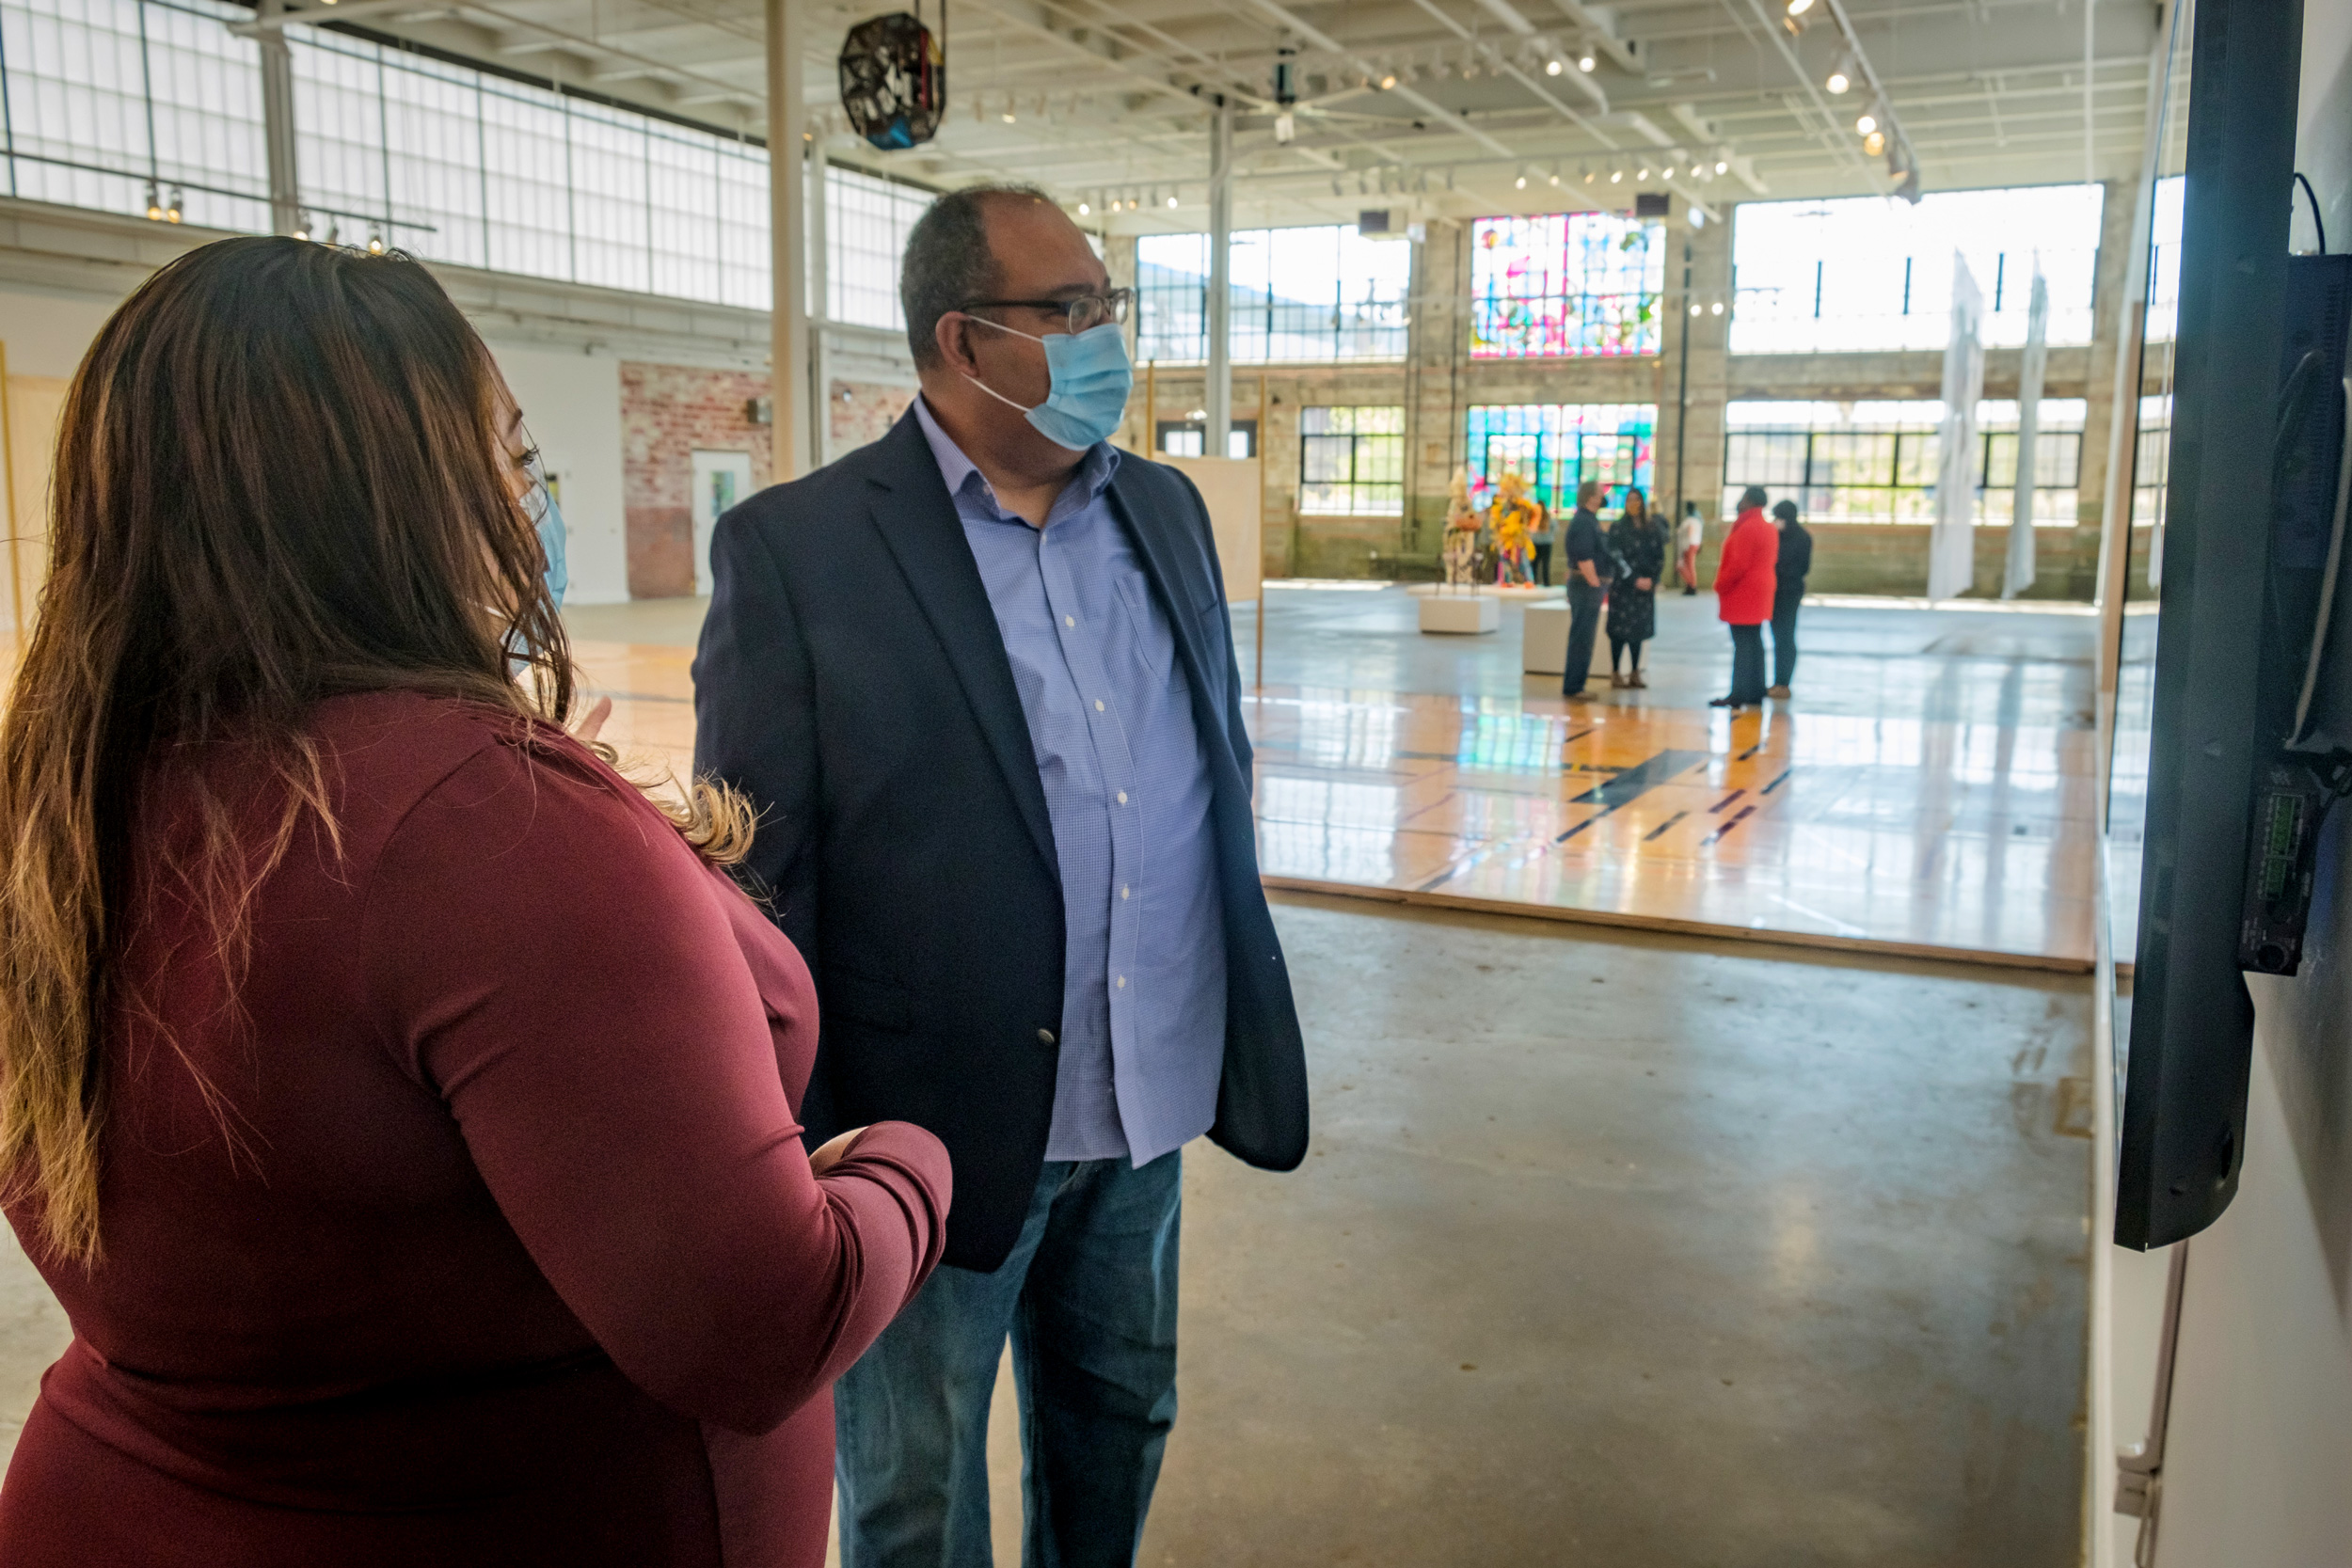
1796 560
980 679
1637 541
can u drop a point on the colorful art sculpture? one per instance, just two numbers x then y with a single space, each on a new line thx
1461 533
1516 517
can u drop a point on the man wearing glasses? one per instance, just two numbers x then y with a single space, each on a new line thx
980 679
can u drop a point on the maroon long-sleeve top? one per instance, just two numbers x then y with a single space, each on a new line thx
476 1228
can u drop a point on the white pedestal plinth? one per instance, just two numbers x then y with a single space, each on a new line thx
1544 640
1462 612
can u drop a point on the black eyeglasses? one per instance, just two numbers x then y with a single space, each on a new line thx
1084 312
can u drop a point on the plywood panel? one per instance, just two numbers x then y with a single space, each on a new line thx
34 403
1229 486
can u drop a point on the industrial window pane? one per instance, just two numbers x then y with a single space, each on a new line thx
1880 461
1352 461
1566 283
1310 295
866 224
1557 447
84 131
1861 272
117 102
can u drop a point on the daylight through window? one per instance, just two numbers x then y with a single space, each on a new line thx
1298 295
1877 462
1351 461
1862 273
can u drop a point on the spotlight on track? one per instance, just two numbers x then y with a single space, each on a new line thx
1585 61
1553 68
1867 124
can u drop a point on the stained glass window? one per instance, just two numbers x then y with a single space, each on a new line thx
1559 446
1566 283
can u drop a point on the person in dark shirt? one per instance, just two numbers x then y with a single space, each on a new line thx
1637 542
1588 565
1796 560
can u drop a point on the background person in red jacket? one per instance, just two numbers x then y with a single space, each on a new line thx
1743 592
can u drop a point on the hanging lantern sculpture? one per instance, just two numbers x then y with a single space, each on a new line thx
894 80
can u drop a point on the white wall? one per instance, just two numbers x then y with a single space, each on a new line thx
572 405
48 334
2258 1460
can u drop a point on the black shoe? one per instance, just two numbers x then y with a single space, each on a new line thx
1728 702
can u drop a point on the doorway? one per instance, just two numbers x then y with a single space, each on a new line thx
721 480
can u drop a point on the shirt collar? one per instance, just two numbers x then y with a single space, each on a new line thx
1094 470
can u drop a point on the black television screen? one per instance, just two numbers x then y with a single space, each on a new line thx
2217 701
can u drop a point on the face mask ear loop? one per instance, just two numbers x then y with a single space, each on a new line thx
984 386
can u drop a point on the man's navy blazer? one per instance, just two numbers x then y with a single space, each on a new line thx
852 680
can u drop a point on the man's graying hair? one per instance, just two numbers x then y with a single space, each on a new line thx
947 262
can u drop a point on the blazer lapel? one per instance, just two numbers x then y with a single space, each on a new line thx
1161 555
918 520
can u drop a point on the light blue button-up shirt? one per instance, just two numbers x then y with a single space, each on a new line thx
1127 789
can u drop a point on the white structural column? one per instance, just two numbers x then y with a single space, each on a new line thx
2018 574
820 308
1951 546
1219 401
787 209
278 122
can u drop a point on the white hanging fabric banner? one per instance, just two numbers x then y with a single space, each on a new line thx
1952 545
2018 576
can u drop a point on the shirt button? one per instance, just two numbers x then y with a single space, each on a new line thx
1123 891
1122 797
1098 705
1046 1036
1070 620
1122 982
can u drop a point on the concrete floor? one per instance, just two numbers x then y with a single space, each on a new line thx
1611 1248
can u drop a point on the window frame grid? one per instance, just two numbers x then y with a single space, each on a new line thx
1361 321
1912 447
1359 493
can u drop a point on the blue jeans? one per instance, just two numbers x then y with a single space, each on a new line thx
1088 1296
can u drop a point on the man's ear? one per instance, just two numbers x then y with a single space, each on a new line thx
952 332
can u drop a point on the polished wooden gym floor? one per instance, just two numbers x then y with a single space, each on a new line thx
1926 791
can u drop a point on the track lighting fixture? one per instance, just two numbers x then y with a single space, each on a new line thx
1875 143
1838 79
1585 61
1867 124
171 209
1520 182
1723 166
1798 7
1644 176
1616 176
154 204
1084 209
1553 68
375 242
1171 198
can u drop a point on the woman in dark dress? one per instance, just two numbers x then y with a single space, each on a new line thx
403 1105
1638 541
1796 560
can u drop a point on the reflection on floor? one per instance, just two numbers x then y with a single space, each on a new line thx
1927 791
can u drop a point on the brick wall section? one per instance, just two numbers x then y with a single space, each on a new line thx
861 412
668 412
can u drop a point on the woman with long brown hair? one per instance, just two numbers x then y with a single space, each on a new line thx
402 1104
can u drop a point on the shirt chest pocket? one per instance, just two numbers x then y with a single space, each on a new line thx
1149 647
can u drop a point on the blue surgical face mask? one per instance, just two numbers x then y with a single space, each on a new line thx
539 505
1091 378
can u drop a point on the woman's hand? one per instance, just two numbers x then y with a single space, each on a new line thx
1641 583
829 1152
591 723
